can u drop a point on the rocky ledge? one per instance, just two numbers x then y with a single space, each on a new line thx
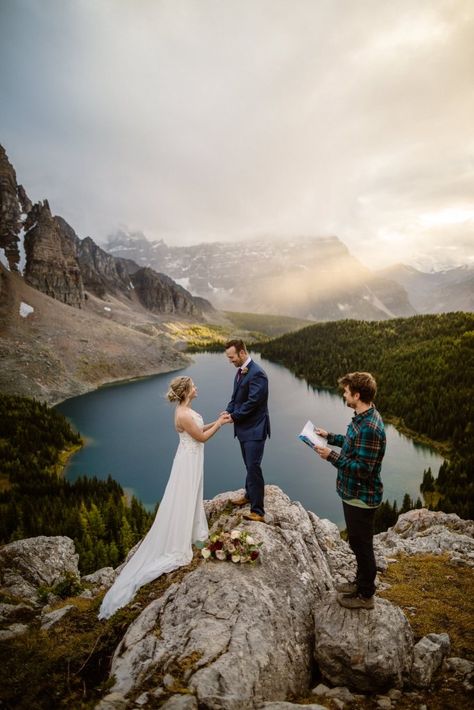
237 637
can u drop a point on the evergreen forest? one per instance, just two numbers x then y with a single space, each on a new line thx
35 499
424 367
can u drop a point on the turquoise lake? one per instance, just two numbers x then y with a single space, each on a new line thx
130 435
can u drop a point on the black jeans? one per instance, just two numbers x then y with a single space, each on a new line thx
360 531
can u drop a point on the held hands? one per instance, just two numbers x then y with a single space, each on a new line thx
224 418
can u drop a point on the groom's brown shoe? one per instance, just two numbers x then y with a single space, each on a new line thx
254 516
240 501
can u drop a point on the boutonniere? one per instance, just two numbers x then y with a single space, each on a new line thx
244 370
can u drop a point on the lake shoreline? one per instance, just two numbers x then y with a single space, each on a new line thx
136 412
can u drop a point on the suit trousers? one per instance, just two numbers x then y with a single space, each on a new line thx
252 454
360 532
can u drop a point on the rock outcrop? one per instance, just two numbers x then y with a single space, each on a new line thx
51 264
367 651
13 202
27 565
227 631
160 294
423 531
102 273
232 636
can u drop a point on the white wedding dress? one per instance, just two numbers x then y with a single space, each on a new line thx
179 522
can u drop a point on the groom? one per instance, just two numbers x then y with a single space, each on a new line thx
248 409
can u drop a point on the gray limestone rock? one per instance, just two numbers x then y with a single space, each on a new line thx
12 631
26 565
235 635
113 701
180 702
363 650
51 618
428 655
320 689
99 580
460 666
16 612
428 532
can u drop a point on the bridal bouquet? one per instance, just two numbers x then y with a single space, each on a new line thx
235 546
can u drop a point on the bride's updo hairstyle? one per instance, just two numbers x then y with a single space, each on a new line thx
179 389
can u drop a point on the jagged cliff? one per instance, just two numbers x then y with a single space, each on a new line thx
225 636
51 263
11 209
66 268
73 316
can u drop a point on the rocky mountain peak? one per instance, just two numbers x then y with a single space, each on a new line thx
64 267
51 264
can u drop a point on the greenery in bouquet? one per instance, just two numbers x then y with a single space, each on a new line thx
235 546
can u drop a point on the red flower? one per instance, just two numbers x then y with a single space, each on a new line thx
254 554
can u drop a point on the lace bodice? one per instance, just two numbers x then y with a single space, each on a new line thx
186 441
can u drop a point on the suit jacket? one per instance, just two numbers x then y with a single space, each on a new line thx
249 405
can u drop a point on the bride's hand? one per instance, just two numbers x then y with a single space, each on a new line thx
224 418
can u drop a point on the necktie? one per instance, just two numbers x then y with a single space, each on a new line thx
239 374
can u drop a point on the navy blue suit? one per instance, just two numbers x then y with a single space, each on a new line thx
249 410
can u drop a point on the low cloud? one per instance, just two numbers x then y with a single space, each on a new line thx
206 120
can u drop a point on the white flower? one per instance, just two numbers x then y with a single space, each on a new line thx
235 558
205 553
249 540
220 554
235 534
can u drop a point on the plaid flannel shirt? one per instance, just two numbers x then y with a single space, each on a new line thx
360 460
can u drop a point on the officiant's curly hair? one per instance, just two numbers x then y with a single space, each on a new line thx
362 382
179 389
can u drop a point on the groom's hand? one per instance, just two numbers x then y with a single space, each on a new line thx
226 417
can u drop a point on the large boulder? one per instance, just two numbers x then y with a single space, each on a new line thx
234 635
363 650
27 565
428 655
424 531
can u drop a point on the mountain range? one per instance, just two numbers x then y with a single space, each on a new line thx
314 278
309 277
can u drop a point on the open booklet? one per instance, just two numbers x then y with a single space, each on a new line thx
309 436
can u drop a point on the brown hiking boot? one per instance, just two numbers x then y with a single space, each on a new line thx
355 601
254 516
239 501
347 588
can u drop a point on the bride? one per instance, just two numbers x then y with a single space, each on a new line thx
180 519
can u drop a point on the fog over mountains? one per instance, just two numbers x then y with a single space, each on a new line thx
309 277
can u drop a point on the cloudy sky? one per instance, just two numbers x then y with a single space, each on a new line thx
199 120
